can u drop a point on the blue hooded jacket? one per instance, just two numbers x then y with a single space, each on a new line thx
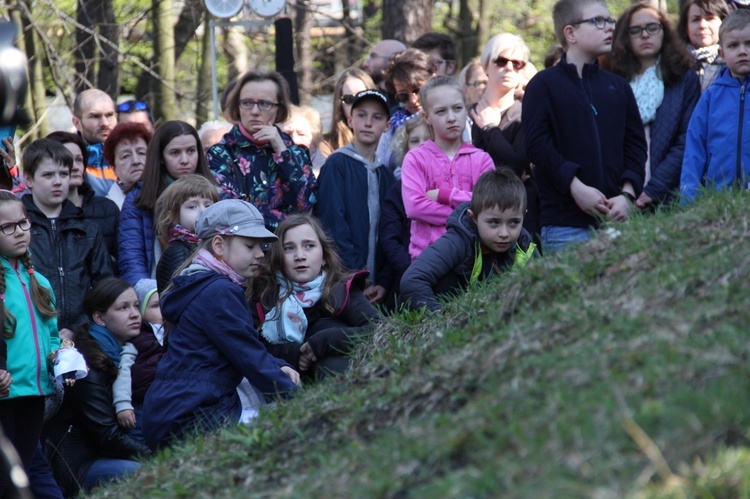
211 345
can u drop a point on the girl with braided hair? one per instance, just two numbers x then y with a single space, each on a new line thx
28 325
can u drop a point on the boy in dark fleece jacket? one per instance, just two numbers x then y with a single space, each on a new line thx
485 237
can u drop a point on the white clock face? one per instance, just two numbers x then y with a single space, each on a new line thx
224 8
267 8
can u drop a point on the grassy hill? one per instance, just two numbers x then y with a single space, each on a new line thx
617 369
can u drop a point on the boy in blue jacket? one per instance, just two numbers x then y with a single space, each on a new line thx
717 153
485 237
582 130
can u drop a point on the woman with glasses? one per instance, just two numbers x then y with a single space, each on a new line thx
256 161
648 53
350 83
474 80
497 115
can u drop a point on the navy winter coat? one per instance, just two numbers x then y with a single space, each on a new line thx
587 127
211 345
135 240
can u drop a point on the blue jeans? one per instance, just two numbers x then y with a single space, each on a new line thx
105 470
556 238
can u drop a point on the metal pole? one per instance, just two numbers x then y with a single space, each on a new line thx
214 83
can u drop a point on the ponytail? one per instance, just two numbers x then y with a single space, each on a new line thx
40 296
9 321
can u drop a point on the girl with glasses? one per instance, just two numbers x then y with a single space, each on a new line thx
256 161
497 116
647 52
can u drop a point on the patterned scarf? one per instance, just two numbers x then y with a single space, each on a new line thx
180 233
287 322
206 259
649 92
107 342
709 55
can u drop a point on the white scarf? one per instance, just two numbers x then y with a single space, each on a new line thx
287 322
649 93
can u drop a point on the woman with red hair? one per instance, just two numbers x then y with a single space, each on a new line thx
125 148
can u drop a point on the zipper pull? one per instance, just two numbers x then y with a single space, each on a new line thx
593 108
742 92
61 271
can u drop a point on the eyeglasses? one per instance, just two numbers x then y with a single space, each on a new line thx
477 83
10 229
501 62
131 106
348 98
598 21
404 97
263 105
440 62
650 28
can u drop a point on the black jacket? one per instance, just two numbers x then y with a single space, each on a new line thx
71 253
85 429
446 265
105 214
174 256
330 334
395 233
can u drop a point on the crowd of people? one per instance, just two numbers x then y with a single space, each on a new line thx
201 274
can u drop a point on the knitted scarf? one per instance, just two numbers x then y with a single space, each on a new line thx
107 342
287 322
180 233
707 55
649 92
206 259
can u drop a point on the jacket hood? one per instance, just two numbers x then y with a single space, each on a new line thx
186 288
725 79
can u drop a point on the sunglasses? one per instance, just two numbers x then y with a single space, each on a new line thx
501 62
131 106
348 98
404 97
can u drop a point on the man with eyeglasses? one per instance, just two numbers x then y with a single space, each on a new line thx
442 50
583 131
94 117
135 111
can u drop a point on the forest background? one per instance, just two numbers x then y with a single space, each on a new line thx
160 50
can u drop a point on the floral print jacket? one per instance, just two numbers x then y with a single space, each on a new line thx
278 184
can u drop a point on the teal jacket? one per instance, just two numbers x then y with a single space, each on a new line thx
35 337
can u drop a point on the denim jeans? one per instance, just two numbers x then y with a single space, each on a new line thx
556 238
105 470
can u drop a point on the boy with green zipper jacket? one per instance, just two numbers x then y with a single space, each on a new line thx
485 237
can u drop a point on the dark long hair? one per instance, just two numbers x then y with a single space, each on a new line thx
155 173
71 138
99 299
675 59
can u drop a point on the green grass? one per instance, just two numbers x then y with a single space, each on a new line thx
617 369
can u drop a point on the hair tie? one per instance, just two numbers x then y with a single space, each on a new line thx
31 271
2 297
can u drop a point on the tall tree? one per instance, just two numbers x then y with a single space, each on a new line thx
99 17
35 54
406 20
304 66
166 102
204 92
472 33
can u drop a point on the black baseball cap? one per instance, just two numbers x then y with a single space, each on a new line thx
372 95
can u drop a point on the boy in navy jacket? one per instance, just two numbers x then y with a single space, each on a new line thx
485 237
583 131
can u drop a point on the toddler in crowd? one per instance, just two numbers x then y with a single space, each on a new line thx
176 211
485 237
441 173
311 310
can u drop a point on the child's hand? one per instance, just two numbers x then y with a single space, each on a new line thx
432 194
293 375
126 419
375 294
65 334
306 357
69 378
589 199
643 200
5 382
619 208
9 155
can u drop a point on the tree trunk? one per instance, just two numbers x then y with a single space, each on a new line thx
165 101
472 33
36 74
304 66
406 20
108 78
204 93
85 70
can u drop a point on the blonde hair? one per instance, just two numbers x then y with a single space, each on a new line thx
401 137
502 43
439 81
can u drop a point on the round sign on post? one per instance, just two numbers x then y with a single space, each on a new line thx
224 8
267 8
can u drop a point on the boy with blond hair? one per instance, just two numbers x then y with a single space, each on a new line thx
717 153
583 131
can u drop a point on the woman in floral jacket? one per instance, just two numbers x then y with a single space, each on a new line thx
257 162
